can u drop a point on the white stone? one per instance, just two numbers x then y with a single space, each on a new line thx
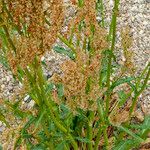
1 123
3 86
31 104
7 78
111 3
26 98
42 58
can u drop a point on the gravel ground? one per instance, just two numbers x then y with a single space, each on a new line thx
133 13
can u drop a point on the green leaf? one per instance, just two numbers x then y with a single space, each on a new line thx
122 97
88 85
121 81
49 88
142 75
126 145
26 136
139 139
146 123
18 142
1 148
3 61
80 3
83 140
100 110
60 90
145 127
64 108
31 120
109 52
37 123
38 147
15 108
43 63
64 51
60 146
20 74
2 118
4 38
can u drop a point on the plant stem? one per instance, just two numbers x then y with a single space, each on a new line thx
59 125
139 93
46 103
10 16
114 24
103 122
64 40
102 11
142 74
105 137
100 72
8 35
71 36
98 139
89 130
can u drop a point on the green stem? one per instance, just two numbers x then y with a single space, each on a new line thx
145 133
139 93
98 139
80 3
45 128
102 11
110 29
11 18
64 40
89 130
59 125
9 39
142 74
89 136
100 72
46 103
105 137
71 36
114 24
101 115
8 35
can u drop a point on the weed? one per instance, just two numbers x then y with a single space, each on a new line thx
78 109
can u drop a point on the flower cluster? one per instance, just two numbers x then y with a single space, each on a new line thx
80 77
37 23
126 41
86 19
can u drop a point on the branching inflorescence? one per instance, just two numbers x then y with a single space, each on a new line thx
33 35
81 76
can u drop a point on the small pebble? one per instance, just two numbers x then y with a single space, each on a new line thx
27 99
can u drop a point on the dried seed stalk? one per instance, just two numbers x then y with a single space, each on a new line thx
36 36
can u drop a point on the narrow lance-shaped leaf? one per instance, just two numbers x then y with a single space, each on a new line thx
64 51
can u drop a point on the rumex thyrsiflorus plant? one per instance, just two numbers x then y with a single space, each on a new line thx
83 107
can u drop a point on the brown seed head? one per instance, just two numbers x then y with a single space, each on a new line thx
126 42
39 22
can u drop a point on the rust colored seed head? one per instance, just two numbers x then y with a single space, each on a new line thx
39 36
126 42
87 14
86 65
72 79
